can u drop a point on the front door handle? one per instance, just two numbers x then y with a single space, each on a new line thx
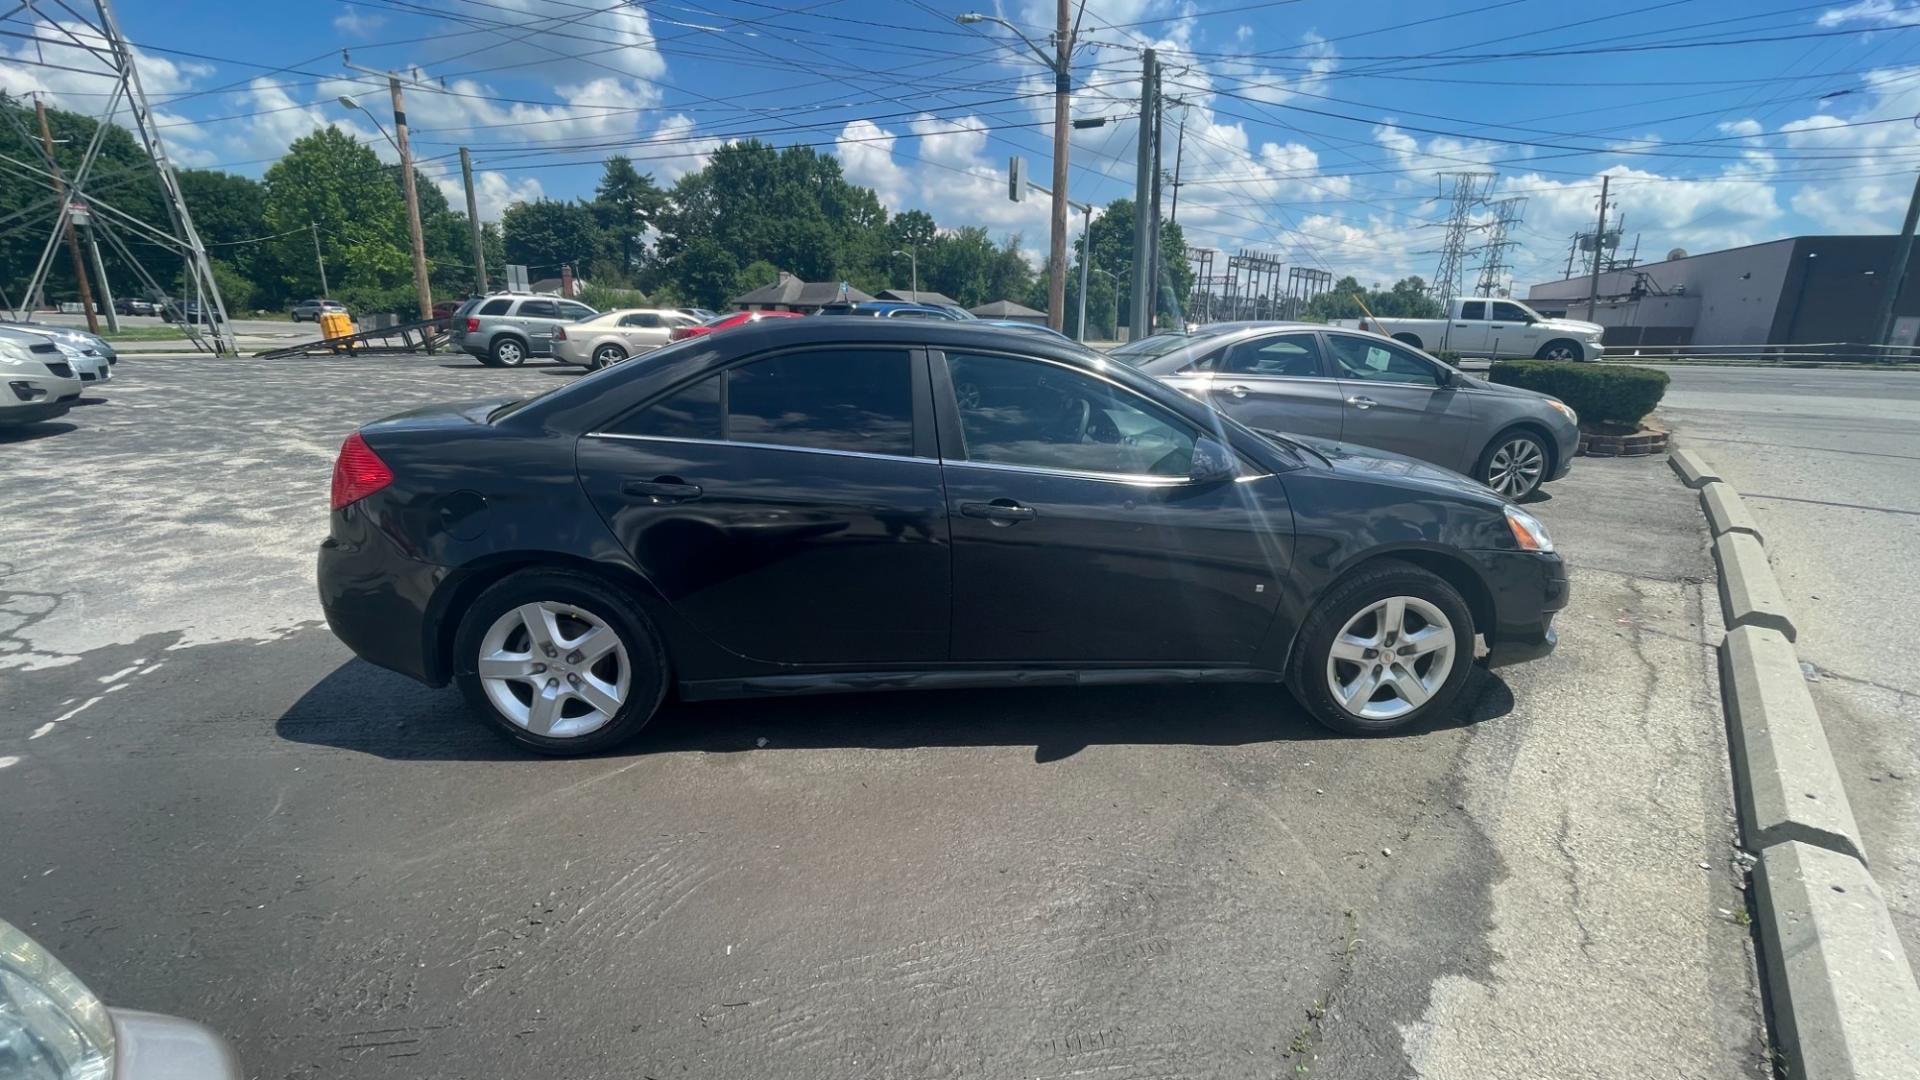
1362 402
999 511
667 488
1237 390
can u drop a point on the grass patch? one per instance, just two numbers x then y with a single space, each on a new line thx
147 333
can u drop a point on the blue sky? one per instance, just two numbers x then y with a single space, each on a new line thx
1314 128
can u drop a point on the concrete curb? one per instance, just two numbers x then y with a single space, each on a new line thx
1726 512
1844 1000
1748 593
1783 770
1693 471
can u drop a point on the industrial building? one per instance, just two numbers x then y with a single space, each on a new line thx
1798 290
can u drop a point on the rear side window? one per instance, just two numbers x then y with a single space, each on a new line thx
496 307
858 400
1473 311
642 318
539 309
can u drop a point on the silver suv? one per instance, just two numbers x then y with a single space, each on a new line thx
506 328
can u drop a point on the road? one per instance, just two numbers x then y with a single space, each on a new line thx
1828 459
214 810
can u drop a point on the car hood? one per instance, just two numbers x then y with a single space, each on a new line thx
1573 327
1366 463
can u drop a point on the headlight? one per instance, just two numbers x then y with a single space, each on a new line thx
51 1025
1566 410
1528 532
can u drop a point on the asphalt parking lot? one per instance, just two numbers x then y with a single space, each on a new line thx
215 811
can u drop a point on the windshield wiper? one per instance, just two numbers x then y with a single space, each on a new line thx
1293 443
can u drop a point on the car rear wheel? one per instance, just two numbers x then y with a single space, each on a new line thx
560 663
508 352
1386 648
1560 350
1408 339
607 356
1514 464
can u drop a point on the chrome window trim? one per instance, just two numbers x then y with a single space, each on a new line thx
759 446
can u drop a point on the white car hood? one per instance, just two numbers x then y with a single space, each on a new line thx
1572 326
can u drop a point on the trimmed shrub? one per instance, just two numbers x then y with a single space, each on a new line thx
1598 392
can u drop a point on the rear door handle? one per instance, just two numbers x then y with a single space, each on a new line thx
999 511
1362 402
669 488
1237 390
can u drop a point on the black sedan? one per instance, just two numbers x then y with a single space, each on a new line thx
825 505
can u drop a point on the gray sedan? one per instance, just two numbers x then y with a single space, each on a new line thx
1362 389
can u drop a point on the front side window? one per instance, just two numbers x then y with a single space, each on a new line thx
539 309
1473 311
496 307
692 412
1362 358
1043 416
828 400
1288 356
1510 313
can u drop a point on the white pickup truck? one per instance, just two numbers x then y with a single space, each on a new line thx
1493 328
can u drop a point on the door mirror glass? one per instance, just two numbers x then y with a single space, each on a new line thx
1212 462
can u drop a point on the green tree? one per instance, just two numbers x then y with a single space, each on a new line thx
759 274
1112 244
329 179
625 205
1407 299
230 214
546 233
912 229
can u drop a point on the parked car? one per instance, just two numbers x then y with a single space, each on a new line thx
504 329
892 309
444 309
1028 327
820 505
612 336
132 305
53 1028
698 314
311 310
1362 390
187 311
69 336
728 322
36 382
1494 328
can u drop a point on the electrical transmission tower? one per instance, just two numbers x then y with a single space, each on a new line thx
1469 194
1494 264
74 202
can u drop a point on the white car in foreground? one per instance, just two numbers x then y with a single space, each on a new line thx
36 383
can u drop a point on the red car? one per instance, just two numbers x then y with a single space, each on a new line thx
444 308
728 322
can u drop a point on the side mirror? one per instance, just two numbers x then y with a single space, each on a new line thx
1212 463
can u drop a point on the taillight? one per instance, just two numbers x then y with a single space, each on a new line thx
473 326
677 333
559 333
358 472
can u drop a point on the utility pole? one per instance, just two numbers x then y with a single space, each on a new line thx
1897 274
1153 216
100 275
1143 181
473 220
1599 242
1179 154
1086 256
420 285
320 259
73 242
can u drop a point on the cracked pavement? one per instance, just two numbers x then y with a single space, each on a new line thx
215 811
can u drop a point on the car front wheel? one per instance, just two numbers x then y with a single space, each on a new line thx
1387 647
1514 464
1559 350
560 663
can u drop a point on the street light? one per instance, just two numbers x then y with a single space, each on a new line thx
348 103
1061 64
914 260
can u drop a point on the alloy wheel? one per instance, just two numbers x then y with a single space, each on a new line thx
1561 352
608 356
554 669
508 353
1516 467
1390 658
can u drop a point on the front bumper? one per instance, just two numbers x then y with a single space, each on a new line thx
1528 589
378 600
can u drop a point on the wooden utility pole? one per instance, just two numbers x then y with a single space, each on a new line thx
66 218
1057 221
473 220
1599 245
319 259
420 285
1142 291
1897 273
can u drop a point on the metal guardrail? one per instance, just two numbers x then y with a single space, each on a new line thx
1824 351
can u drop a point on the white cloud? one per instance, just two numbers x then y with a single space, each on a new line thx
866 157
493 192
59 47
1884 12
356 23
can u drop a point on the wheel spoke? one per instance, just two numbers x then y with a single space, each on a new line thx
1393 618
593 645
542 627
504 666
544 711
1357 693
1349 647
1409 687
597 694
1427 639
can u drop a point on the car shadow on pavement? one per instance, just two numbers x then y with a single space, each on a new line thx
363 708
30 432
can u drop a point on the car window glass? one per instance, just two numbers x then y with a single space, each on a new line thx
576 312
641 319
692 412
1509 312
1361 358
539 309
1473 310
828 400
910 314
1024 412
496 307
1294 356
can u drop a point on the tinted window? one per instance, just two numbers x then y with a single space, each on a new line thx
1473 311
496 307
1360 358
1023 412
646 319
689 413
576 312
909 313
853 400
539 309
1510 312
1294 356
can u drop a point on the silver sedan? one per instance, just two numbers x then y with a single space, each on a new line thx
1361 389
612 336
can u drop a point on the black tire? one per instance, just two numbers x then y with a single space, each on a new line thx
1408 339
1502 456
606 356
508 352
1371 583
648 671
1560 349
